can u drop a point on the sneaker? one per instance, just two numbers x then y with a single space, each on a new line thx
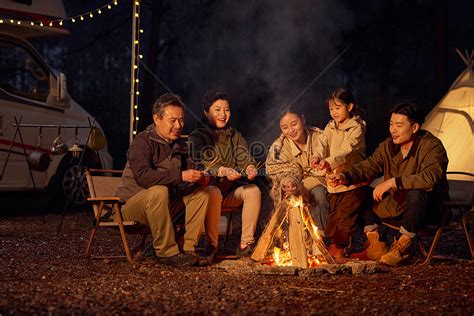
373 248
397 253
336 252
246 251
180 260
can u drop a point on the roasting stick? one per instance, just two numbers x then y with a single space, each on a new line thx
214 162
258 166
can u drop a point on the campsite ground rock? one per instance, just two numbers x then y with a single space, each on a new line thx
42 273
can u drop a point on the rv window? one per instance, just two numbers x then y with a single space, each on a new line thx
21 74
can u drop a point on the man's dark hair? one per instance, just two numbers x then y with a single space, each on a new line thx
411 110
212 96
165 100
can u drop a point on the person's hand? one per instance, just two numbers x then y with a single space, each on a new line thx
230 173
336 179
314 162
383 187
192 175
324 165
289 186
251 172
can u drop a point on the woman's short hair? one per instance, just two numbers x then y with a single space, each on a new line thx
212 96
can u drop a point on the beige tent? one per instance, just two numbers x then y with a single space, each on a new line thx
451 120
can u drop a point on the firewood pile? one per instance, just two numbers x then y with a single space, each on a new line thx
291 238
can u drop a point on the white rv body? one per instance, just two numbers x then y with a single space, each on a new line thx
32 91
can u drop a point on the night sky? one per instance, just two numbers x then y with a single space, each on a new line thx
268 54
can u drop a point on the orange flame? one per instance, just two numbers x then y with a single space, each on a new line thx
282 256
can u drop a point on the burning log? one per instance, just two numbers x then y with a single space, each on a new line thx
291 238
299 257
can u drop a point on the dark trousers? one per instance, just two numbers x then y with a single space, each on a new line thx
344 208
414 214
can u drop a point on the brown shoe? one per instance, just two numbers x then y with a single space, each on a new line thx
373 248
398 251
336 252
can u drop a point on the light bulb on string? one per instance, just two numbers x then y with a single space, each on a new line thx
91 15
82 18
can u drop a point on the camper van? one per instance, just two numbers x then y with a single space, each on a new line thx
43 132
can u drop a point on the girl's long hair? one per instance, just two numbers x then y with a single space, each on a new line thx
345 96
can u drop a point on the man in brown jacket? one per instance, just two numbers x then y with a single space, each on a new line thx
413 163
159 172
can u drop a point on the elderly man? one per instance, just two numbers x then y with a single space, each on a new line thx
413 163
158 171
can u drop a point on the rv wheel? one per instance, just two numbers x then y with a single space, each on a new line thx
69 183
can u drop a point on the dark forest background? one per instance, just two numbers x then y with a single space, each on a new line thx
268 54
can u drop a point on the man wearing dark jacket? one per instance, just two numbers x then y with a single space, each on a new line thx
413 163
158 171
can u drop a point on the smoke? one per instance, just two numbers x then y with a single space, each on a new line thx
265 53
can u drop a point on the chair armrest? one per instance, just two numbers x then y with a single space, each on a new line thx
109 199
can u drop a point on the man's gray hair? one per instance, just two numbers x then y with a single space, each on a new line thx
165 100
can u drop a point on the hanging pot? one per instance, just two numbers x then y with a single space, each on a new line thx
97 140
59 147
39 161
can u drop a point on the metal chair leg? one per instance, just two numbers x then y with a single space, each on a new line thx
434 243
465 226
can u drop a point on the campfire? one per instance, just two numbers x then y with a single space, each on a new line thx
291 238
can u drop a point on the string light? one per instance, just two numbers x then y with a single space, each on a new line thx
53 22
136 56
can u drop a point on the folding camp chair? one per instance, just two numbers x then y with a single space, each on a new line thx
464 205
102 186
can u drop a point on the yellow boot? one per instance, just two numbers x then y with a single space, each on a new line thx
373 249
398 251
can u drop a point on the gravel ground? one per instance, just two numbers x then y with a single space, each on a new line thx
42 273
